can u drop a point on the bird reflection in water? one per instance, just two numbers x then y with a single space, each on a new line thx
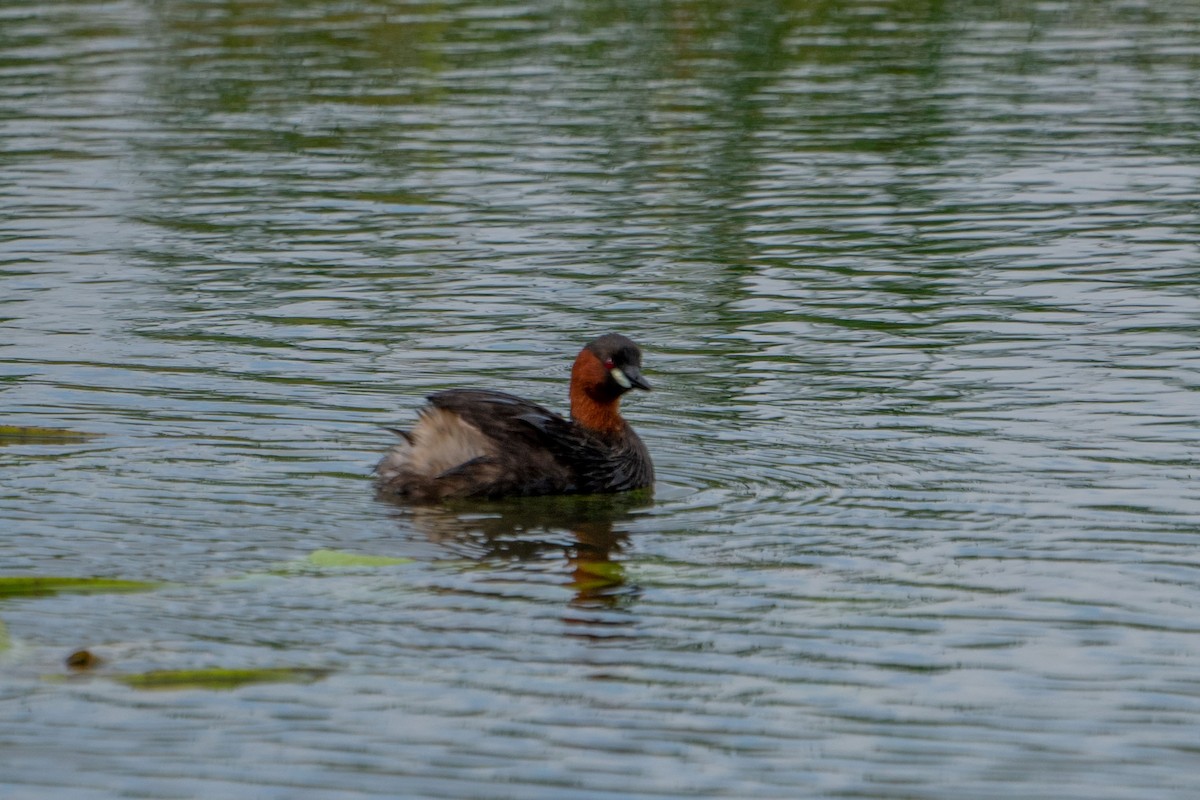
589 533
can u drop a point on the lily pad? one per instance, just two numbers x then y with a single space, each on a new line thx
28 434
324 562
34 586
219 678
591 576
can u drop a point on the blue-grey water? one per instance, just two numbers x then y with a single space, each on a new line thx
918 285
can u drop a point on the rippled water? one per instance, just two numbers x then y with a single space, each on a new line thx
917 286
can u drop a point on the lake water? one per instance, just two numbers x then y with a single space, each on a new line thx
918 286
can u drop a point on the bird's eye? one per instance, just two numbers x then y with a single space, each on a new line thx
608 363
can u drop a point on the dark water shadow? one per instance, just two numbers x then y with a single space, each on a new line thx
586 535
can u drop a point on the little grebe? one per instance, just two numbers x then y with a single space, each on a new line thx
478 443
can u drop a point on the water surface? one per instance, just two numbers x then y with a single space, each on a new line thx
917 287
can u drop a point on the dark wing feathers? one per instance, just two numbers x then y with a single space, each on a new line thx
599 465
495 413
525 460
543 452
509 420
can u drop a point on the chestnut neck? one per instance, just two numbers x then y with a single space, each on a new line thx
593 404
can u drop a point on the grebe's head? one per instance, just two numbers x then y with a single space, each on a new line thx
619 363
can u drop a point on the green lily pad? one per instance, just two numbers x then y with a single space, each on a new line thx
218 677
34 586
339 558
595 575
28 434
610 571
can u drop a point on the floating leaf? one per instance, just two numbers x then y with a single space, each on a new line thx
33 586
341 559
219 678
592 576
26 434
609 571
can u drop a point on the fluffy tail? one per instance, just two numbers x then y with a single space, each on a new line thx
432 461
